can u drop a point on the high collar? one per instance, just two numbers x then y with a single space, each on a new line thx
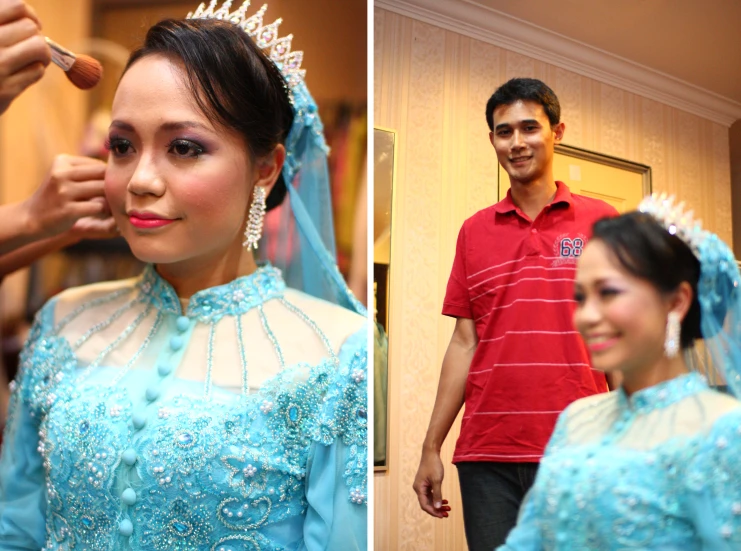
663 394
562 196
209 305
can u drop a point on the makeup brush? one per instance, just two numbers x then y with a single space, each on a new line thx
82 70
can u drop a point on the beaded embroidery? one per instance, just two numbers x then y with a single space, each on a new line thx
204 472
600 493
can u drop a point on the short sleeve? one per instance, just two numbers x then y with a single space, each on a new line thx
337 479
22 493
456 303
713 486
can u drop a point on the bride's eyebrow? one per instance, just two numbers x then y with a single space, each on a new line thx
183 125
121 125
176 125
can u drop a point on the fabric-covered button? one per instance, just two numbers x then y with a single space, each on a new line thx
182 324
152 393
139 419
129 456
176 343
128 496
164 370
125 528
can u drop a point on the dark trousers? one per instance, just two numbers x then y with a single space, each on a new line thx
492 494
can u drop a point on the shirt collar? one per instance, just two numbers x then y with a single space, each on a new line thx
563 196
210 305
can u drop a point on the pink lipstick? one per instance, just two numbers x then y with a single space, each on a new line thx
148 220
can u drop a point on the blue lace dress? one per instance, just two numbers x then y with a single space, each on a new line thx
236 422
660 470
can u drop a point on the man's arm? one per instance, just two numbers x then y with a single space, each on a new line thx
448 402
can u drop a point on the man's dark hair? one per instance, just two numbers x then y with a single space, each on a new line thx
525 89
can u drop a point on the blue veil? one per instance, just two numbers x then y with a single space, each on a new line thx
307 211
720 312
305 239
717 292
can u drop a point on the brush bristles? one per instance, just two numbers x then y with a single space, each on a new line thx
86 72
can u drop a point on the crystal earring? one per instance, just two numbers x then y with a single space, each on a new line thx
253 231
673 329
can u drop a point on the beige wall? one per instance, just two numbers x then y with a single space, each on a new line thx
431 86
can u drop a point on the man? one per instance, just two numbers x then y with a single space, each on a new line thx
514 357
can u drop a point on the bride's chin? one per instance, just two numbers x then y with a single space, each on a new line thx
151 255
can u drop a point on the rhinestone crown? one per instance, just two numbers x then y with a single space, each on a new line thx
265 36
675 219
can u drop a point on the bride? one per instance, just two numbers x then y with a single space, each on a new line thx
204 404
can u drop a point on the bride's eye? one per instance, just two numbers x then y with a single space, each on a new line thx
186 148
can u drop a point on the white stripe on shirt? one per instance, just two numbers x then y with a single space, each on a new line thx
548 279
459 457
502 307
536 267
477 372
514 262
506 333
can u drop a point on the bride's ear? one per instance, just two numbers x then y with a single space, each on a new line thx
268 168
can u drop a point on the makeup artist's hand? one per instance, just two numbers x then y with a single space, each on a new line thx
71 200
24 53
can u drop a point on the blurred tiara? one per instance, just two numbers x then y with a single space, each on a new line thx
265 36
676 221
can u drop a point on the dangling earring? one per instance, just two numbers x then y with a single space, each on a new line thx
671 342
253 231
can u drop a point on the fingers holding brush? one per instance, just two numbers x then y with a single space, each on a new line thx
12 10
24 54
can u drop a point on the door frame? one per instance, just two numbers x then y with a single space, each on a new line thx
600 158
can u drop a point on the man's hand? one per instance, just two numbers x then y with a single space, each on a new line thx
428 484
24 54
70 200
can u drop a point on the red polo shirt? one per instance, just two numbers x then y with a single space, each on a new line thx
515 278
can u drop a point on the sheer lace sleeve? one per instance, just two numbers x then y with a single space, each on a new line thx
22 494
713 485
338 463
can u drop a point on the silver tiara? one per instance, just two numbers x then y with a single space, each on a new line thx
675 219
265 36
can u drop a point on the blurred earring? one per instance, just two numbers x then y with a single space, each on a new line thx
673 329
253 231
